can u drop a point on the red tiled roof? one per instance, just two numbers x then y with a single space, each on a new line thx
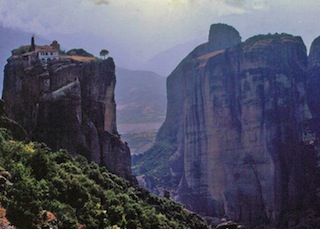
29 53
45 48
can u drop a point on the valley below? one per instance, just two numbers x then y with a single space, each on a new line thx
139 136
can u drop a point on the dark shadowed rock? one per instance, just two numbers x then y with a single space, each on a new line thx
313 83
314 55
17 131
234 119
175 81
68 104
223 36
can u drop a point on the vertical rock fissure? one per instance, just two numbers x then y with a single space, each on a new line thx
260 190
245 100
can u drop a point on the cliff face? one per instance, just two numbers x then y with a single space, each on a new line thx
220 37
313 82
241 127
234 116
68 104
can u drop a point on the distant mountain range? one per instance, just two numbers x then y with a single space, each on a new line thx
165 62
141 106
140 96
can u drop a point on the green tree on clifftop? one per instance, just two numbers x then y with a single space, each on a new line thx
104 53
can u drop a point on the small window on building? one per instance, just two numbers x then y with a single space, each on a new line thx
51 53
46 53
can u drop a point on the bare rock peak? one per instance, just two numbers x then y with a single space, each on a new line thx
223 36
314 55
313 82
316 42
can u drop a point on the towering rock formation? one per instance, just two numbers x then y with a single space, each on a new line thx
234 123
221 36
313 83
68 104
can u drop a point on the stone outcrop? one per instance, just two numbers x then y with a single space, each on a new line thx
225 36
313 83
234 117
222 36
68 104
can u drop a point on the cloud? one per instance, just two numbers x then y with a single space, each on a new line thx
132 24
249 4
100 2
150 26
235 2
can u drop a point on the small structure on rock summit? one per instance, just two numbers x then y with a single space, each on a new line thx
33 52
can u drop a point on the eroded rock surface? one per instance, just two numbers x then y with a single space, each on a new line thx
313 83
235 115
241 129
68 104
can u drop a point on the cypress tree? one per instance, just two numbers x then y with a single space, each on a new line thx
33 46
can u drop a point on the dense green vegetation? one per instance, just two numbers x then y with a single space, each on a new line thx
21 50
78 192
79 52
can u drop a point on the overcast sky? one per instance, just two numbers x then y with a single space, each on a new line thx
136 30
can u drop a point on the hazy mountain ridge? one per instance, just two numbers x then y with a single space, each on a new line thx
164 62
140 96
141 106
